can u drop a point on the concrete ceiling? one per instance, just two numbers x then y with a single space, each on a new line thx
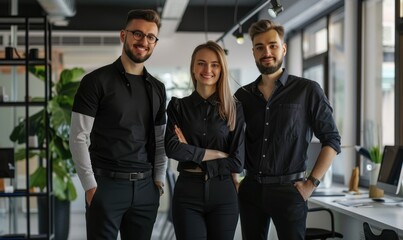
109 15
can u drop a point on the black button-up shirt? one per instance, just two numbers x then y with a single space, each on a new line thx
203 129
279 131
125 108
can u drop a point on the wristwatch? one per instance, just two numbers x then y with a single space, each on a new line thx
314 180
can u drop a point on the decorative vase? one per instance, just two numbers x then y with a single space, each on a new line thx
374 174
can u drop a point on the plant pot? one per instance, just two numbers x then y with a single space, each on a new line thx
61 218
374 173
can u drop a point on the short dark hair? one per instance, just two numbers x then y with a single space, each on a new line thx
148 15
265 25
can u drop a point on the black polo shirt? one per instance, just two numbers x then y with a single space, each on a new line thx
203 129
125 109
279 131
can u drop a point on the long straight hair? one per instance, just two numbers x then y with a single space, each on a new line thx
226 107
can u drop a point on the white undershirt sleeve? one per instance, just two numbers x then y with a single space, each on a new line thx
80 129
161 160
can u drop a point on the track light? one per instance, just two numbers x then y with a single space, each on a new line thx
223 47
239 35
275 9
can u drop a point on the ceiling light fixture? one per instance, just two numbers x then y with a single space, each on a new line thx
239 35
275 9
259 7
223 47
65 8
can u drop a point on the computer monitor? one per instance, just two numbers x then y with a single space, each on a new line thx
6 162
390 173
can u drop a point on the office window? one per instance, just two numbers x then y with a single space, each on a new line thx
315 39
378 83
338 84
378 77
388 73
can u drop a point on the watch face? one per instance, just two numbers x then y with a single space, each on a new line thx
315 181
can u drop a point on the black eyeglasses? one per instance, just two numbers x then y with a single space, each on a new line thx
139 35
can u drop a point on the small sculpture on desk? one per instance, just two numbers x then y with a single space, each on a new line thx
375 192
355 178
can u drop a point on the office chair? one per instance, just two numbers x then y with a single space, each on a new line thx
385 234
319 233
168 225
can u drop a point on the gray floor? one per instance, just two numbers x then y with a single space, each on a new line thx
77 226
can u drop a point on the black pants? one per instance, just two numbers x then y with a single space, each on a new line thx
258 203
204 209
128 206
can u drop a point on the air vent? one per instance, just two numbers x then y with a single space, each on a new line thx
62 39
33 40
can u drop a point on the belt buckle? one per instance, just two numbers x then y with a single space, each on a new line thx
133 176
258 178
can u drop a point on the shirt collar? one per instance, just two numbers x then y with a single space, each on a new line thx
197 99
282 80
118 64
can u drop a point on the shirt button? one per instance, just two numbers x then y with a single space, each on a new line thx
267 123
264 155
204 134
267 108
204 119
265 139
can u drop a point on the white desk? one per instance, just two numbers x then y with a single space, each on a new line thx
348 220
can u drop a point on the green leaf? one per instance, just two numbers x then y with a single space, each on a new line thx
71 191
59 187
20 154
68 76
59 113
68 90
38 178
375 154
38 71
37 127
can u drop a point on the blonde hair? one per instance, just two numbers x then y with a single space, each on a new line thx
227 108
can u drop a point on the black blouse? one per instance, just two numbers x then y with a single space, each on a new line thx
203 129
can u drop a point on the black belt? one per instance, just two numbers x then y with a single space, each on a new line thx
121 175
277 179
201 175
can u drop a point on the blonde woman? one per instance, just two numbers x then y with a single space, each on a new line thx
205 135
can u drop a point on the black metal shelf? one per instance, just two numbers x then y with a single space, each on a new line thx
23 193
22 62
22 236
28 25
22 104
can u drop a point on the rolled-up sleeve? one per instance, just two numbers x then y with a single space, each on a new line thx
324 126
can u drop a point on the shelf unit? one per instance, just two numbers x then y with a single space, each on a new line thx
26 28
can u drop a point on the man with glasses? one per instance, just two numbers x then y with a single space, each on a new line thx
119 111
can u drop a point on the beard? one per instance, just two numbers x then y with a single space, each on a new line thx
269 70
133 57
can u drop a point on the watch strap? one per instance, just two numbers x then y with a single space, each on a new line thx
314 180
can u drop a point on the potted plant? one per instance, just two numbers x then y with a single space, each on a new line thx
374 155
59 111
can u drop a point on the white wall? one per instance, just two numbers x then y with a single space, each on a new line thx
172 52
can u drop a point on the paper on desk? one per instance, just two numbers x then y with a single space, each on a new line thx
354 202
